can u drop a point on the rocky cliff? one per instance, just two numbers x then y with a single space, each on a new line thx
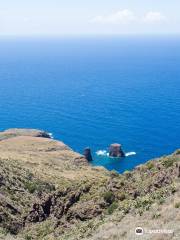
47 191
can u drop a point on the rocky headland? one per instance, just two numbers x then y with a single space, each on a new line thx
49 192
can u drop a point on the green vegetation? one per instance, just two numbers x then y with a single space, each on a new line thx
31 186
177 152
114 174
168 162
121 196
28 237
38 186
156 215
112 207
150 165
177 205
109 197
144 202
161 201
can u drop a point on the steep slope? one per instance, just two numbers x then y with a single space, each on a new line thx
47 191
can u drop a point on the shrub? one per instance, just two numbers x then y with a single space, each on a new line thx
127 174
177 152
38 186
161 200
143 203
156 215
109 197
28 237
177 205
150 165
173 188
31 186
168 162
121 196
125 206
114 174
3 231
112 207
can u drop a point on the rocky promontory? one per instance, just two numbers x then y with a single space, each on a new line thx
49 192
15 132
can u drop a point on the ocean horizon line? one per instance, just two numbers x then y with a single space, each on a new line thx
94 35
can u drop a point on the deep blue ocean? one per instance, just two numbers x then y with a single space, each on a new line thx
94 91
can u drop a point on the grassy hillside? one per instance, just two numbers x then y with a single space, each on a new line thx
47 191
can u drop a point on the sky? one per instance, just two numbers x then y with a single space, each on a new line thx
84 17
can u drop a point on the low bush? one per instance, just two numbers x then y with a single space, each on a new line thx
177 205
109 197
112 207
150 165
168 162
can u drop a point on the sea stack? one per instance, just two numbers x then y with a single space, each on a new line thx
87 154
115 150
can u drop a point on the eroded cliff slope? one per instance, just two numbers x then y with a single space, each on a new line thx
47 191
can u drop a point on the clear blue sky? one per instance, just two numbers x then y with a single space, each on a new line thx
60 17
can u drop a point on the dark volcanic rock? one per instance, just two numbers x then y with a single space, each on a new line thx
87 154
115 150
61 204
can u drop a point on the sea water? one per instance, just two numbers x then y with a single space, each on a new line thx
94 91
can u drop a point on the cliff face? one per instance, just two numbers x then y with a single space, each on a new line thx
47 191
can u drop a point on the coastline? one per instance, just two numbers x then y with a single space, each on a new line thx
45 187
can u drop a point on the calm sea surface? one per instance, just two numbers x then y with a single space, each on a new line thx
95 91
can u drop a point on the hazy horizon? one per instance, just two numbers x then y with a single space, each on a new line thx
55 18
61 36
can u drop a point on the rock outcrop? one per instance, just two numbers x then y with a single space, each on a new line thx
115 150
87 154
